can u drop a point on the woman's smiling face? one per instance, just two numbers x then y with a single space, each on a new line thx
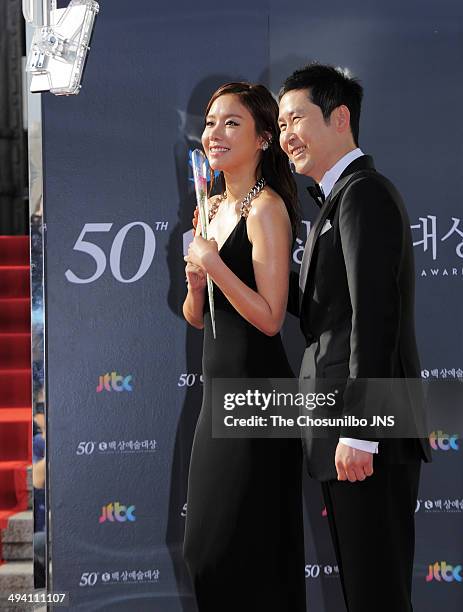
229 138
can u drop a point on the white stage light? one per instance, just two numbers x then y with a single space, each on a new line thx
60 43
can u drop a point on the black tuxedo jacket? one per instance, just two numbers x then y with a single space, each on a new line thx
357 307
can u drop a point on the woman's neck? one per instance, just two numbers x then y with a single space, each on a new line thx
238 185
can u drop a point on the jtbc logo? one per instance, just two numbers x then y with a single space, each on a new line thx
442 571
442 441
113 382
117 512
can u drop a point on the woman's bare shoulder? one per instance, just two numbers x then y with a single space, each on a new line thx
268 203
268 217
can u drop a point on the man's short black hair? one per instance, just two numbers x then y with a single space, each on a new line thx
329 87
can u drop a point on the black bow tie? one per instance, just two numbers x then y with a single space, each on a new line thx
317 194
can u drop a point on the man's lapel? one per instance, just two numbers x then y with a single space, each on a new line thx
311 240
361 163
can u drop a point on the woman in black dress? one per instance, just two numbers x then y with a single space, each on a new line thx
244 540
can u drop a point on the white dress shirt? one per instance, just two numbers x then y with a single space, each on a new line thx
327 183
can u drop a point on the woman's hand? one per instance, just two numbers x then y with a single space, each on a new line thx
195 221
202 252
196 277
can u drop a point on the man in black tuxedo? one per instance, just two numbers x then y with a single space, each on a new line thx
355 298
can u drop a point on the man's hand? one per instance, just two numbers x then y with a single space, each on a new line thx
352 464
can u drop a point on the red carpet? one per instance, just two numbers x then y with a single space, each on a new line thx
15 377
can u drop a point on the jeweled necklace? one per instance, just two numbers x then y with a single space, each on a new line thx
245 205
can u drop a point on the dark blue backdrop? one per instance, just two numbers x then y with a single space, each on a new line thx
117 155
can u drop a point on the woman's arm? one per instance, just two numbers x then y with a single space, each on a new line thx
194 302
269 231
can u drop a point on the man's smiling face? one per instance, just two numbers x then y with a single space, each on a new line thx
307 139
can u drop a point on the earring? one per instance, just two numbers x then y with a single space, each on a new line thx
265 146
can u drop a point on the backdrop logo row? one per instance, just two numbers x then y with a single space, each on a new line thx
442 571
117 513
440 440
114 382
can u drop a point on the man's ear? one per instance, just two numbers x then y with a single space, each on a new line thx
341 118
